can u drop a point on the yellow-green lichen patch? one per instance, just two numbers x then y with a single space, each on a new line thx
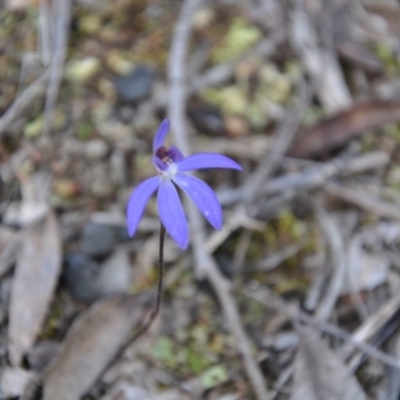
240 36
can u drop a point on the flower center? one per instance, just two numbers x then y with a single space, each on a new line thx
164 155
166 164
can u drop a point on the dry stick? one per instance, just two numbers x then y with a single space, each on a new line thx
61 30
205 264
363 200
44 32
26 98
351 339
310 178
339 264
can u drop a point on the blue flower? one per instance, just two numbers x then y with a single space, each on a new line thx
171 166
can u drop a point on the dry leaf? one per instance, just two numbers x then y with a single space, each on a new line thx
320 374
92 342
368 267
36 275
14 381
334 132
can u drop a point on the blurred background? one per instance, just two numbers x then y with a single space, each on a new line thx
298 296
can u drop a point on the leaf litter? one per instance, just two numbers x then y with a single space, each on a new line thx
92 342
320 374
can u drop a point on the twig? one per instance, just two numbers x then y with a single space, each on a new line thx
352 340
321 63
61 28
26 98
274 260
337 251
363 200
236 219
205 264
44 31
372 326
310 178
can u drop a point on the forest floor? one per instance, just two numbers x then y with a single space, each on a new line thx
298 296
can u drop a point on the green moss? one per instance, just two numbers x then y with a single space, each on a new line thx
256 114
165 352
297 283
34 128
290 229
90 24
85 130
52 324
214 376
195 349
274 85
392 130
388 57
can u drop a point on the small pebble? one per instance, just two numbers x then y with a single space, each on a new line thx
80 275
97 240
88 280
135 86
207 118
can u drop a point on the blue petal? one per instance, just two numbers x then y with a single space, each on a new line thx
207 160
175 154
137 202
203 196
159 137
172 214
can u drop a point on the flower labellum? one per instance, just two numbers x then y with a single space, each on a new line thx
171 166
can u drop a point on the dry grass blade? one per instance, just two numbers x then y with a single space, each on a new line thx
91 344
371 328
320 374
337 249
36 275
